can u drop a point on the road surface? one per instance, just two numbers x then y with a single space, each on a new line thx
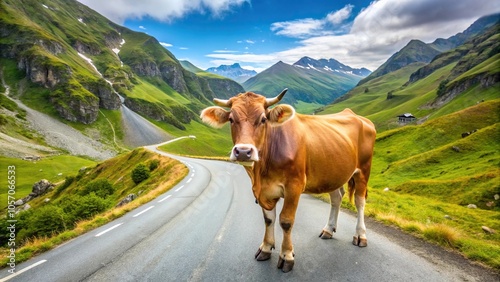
139 131
207 228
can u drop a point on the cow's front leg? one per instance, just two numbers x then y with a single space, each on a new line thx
265 249
331 225
287 218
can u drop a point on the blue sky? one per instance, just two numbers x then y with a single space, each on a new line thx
259 33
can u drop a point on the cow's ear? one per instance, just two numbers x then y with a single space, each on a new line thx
215 116
280 114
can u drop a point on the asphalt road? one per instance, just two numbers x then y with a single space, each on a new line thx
139 131
208 228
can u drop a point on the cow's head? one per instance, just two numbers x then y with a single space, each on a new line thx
250 118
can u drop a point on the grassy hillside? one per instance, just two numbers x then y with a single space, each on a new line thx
47 168
87 199
433 174
56 56
436 160
371 98
209 141
415 51
307 85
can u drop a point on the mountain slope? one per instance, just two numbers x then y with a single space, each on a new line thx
471 75
305 85
468 55
418 51
222 87
234 71
330 65
75 59
414 51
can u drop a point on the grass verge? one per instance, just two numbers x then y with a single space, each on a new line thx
117 171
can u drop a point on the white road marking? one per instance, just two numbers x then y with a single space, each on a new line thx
138 214
168 196
176 190
189 180
22 270
109 229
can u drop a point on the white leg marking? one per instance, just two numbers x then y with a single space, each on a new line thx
269 240
335 202
360 225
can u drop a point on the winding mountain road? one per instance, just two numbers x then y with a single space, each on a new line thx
207 228
139 131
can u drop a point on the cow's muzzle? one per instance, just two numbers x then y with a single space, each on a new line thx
244 153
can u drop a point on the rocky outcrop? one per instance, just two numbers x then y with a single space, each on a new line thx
483 79
53 47
113 39
39 188
223 88
174 115
76 108
172 74
43 71
439 61
87 48
108 99
126 200
146 68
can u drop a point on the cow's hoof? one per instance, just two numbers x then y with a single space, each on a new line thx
285 265
326 235
360 242
261 255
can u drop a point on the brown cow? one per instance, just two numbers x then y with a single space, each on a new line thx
286 154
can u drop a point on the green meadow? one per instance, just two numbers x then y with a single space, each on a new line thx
29 172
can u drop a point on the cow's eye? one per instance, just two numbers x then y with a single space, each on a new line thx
263 120
231 120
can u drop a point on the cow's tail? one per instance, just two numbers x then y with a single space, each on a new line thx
350 189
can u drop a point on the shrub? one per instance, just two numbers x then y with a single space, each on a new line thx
46 221
84 207
442 87
140 173
3 119
154 164
101 187
67 182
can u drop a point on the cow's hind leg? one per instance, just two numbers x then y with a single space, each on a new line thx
358 186
331 225
265 249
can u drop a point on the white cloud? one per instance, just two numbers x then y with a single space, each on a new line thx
120 10
250 41
142 27
305 28
341 15
377 32
164 44
298 28
183 48
225 51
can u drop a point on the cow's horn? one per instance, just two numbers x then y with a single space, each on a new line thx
222 102
272 101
